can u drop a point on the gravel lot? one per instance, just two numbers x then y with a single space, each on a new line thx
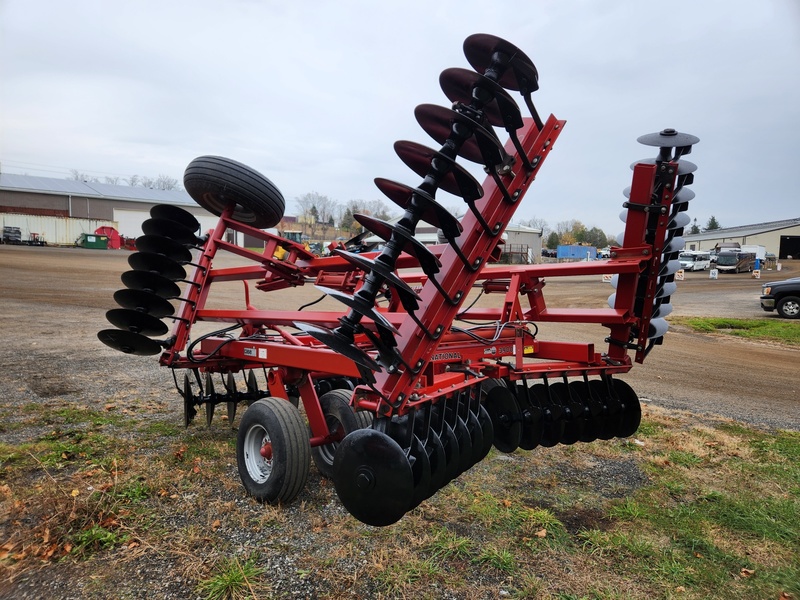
54 299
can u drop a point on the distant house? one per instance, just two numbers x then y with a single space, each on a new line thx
781 238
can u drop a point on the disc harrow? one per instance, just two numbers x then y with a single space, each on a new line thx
406 386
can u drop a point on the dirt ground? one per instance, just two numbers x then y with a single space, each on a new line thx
54 301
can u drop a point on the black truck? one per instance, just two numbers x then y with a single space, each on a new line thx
783 296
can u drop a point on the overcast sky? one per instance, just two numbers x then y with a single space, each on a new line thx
314 94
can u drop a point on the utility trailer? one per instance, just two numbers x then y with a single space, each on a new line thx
406 386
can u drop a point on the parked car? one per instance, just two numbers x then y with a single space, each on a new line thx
783 296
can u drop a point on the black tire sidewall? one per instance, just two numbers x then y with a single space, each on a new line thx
215 182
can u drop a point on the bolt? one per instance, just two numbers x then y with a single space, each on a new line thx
669 131
364 479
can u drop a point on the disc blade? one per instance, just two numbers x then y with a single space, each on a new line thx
339 343
463 85
373 477
481 50
145 302
157 263
177 214
358 305
432 212
452 177
377 266
684 166
165 246
469 138
135 321
129 342
503 411
169 229
668 138
148 281
427 261
631 408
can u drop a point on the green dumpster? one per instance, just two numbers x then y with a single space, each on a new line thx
93 240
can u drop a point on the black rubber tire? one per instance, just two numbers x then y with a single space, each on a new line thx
281 478
339 416
787 307
364 419
215 183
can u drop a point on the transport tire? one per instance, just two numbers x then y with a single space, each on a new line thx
215 183
272 451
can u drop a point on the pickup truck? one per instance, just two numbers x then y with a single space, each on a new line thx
783 296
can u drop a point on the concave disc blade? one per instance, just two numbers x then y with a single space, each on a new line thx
488 431
339 343
447 126
476 438
572 415
451 451
684 166
163 245
177 214
432 212
594 420
504 412
453 178
438 461
461 85
411 245
373 477
169 229
464 443
145 302
136 321
520 74
668 138
359 306
377 266
157 263
553 425
421 470
129 342
631 408
150 282
612 409
532 426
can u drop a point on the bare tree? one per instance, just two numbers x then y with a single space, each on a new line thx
112 180
134 180
165 182
76 175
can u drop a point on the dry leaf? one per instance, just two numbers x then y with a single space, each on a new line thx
785 596
133 545
541 533
216 524
680 589
195 469
67 548
746 572
46 536
181 451
698 555
75 493
507 503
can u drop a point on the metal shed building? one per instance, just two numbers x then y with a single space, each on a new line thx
62 209
781 238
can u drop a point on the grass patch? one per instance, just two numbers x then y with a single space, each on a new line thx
773 330
232 580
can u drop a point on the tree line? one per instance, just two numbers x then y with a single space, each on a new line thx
162 182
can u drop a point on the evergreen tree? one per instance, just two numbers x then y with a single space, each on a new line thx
712 224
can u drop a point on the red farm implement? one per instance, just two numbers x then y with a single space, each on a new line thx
406 385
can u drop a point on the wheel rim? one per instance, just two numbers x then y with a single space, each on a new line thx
258 454
791 308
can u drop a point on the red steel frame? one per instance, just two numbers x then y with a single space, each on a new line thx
268 339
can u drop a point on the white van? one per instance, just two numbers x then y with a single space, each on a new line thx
695 260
